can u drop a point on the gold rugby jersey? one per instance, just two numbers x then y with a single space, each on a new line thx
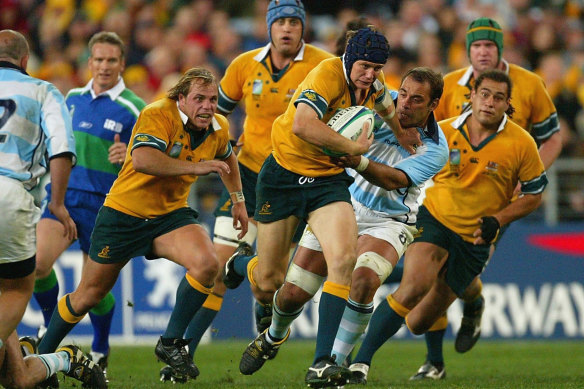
265 95
534 109
325 89
479 181
161 125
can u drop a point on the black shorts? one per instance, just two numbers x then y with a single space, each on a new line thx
249 180
282 193
118 237
20 269
465 260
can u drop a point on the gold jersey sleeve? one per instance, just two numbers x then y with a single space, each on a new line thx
265 96
160 126
325 89
534 108
479 181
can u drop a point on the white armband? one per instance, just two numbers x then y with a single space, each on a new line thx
386 102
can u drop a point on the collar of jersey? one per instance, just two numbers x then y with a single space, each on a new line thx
10 65
462 118
113 93
184 118
431 129
266 49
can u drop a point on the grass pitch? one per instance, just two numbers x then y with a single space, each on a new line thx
491 364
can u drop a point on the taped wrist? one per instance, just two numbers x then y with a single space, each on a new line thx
237 197
386 102
363 163
489 228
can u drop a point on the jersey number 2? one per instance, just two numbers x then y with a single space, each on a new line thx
7 108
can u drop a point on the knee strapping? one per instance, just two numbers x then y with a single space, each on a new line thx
381 266
304 279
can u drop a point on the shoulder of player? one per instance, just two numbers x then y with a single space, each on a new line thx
75 92
447 123
133 98
454 76
517 74
515 130
161 107
331 66
244 59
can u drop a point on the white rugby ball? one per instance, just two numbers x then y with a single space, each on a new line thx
349 122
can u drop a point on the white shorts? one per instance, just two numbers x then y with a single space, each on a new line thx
396 233
19 218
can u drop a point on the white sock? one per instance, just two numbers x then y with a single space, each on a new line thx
56 362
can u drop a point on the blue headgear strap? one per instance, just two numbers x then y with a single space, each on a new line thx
366 45
278 9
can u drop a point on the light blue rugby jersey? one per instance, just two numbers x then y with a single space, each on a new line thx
34 121
401 204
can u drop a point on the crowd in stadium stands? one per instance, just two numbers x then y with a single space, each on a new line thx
166 37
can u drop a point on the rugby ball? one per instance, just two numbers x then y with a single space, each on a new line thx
349 122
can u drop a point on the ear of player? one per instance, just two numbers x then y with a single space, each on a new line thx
349 122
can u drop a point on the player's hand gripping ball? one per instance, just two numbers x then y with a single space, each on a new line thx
349 122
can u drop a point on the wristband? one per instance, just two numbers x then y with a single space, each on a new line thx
363 163
489 228
237 197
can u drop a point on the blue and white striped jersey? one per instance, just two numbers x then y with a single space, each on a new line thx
34 124
401 204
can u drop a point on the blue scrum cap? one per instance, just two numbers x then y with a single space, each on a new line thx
367 45
278 9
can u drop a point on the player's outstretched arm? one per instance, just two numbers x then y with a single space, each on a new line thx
149 160
376 173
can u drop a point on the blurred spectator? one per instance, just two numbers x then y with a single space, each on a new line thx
136 79
160 62
78 34
118 20
192 55
562 85
147 35
12 16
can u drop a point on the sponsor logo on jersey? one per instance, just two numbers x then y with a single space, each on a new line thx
112 125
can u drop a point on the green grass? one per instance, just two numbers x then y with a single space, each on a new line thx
490 364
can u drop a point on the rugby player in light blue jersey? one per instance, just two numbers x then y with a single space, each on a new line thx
35 132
